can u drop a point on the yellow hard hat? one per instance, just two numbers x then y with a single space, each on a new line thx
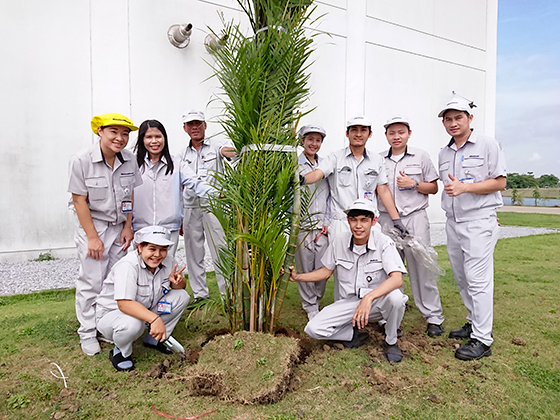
111 119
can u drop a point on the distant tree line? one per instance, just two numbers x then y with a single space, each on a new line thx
528 180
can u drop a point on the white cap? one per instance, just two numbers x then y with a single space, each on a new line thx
156 235
458 103
363 204
306 129
193 115
397 120
360 120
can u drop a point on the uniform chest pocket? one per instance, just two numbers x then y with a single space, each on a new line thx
126 180
144 294
414 172
373 271
344 271
209 160
127 187
98 188
344 176
444 172
473 167
370 179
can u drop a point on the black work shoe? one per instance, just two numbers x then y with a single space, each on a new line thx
463 332
473 350
434 330
358 339
162 348
392 353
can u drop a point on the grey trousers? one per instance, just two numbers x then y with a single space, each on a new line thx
308 258
334 322
470 246
337 227
197 226
123 329
93 272
422 281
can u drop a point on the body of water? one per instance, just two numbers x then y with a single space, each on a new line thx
552 202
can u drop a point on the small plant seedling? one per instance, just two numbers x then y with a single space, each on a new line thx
237 344
261 361
45 256
267 375
17 401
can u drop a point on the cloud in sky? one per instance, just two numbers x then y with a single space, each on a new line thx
535 158
528 86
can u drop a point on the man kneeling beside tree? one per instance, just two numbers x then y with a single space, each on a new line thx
369 271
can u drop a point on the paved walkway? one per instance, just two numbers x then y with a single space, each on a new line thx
530 209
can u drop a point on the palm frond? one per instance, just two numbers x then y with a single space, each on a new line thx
264 79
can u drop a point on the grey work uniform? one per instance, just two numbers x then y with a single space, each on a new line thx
350 180
159 200
131 279
360 270
198 223
411 205
312 244
472 228
106 189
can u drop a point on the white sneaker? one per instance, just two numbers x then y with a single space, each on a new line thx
312 314
90 346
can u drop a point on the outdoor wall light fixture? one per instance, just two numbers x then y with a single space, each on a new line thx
180 35
213 43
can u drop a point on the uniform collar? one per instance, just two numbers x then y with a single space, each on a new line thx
149 162
349 152
97 155
406 152
302 159
205 142
370 245
472 139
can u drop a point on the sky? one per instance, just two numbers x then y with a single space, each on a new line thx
528 85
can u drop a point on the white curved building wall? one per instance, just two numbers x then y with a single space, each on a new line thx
64 61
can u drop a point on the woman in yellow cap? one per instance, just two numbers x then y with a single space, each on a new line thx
102 181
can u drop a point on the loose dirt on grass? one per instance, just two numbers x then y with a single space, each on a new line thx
414 344
257 368
250 368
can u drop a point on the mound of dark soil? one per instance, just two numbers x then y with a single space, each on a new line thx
251 368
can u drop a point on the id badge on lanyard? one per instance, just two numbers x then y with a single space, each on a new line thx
164 307
126 204
468 179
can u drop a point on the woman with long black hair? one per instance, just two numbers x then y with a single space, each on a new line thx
159 200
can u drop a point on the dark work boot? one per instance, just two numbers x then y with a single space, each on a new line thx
463 332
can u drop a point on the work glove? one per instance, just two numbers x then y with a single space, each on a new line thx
398 224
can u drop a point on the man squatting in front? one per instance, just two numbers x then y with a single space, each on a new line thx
370 272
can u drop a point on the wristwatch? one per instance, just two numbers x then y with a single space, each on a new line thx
415 185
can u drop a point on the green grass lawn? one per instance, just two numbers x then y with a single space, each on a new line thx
553 192
519 381
530 219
